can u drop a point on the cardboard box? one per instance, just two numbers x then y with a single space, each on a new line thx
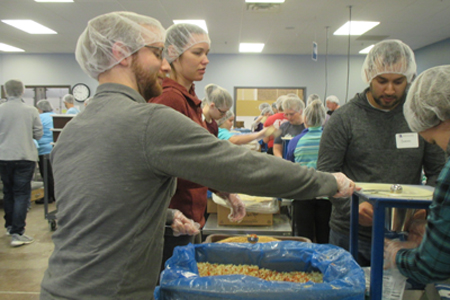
37 194
211 207
253 219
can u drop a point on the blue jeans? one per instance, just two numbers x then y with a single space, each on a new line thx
343 241
16 176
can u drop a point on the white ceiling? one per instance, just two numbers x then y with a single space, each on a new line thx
290 29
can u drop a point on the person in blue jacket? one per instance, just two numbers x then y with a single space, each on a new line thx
45 147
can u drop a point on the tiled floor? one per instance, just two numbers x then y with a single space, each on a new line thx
22 268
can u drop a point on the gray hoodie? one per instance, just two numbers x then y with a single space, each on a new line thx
360 141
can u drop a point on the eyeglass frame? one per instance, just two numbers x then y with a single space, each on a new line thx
158 55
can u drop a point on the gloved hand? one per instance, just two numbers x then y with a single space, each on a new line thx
345 186
416 230
236 205
181 225
391 248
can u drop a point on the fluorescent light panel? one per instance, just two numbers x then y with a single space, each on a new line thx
8 48
200 23
356 27
366 50
264 1
29 26
53 0
251 47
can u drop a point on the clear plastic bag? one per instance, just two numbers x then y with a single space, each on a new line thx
262 205
343 277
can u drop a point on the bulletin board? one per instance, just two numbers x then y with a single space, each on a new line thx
248 99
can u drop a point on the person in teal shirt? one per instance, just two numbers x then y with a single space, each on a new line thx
69 104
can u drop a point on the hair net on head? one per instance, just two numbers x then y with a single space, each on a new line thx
280 100
44 105
129 31
267 110
333 99
315 114
311 98
428 100
222 120
218 95
69 98
180 37
263 106
294 103
14 88
389 56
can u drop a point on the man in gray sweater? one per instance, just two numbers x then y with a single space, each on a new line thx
115 167
369 140
19 125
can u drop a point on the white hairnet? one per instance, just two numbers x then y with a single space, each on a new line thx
280 101
14 88
428 100
222 120
315 114
294 103
267 110
389 57
218 95
263 106
44 105
333 99
180 37
69 98
128 31
311 98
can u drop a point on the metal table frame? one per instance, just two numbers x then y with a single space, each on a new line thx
379 208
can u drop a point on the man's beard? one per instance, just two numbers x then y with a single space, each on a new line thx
147 83
390 105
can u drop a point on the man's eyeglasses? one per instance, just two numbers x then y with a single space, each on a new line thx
159 53
222 112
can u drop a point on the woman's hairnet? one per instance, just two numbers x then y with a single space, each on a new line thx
125 31
263 105
311 98
294 103
428 100
389 56
333 99
222 120
180 37
218 95
314 114
44 105
280 101
267 110
69 98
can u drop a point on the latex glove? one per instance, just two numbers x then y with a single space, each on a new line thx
236 205
346 187
365 214
416 230
181 225
391 248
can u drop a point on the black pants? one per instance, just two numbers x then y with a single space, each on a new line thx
310 219
50 183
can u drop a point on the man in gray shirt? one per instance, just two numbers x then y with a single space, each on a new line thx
115 167
19 125
366 139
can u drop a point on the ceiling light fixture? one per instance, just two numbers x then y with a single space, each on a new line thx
53 0
357 28
251 47
366 50
200 23
29 26
264 1
8 48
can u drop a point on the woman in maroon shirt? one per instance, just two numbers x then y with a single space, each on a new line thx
186 49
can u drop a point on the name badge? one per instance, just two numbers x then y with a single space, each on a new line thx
407 140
